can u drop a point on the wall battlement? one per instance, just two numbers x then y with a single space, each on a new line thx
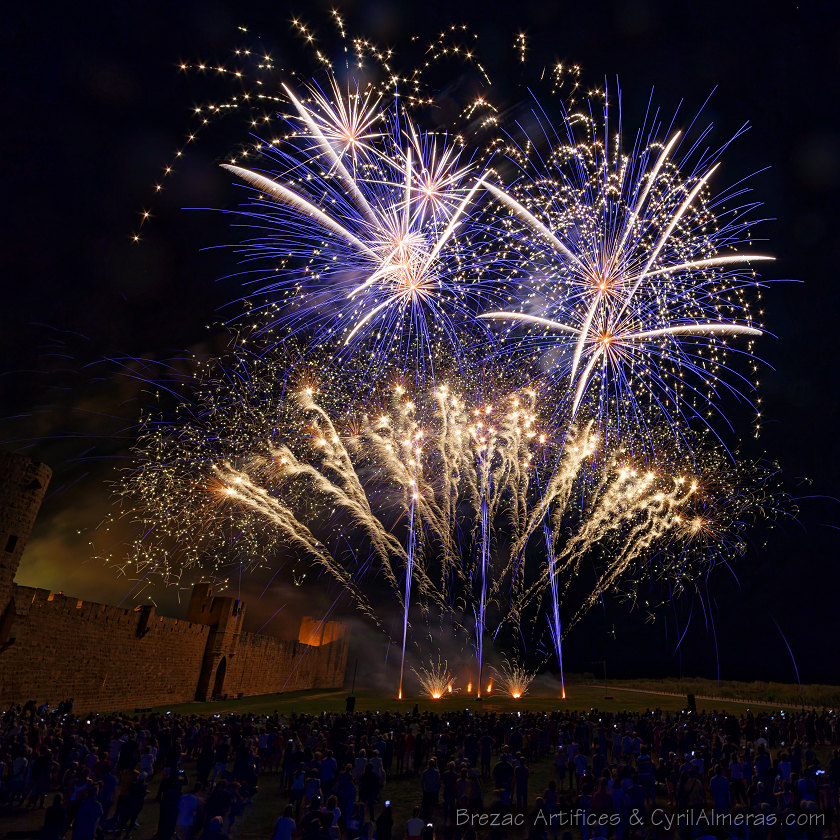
107 658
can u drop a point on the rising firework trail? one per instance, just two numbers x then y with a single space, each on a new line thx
555 627
409 573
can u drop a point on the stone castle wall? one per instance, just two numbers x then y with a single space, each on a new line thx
23 484
53 647
105 658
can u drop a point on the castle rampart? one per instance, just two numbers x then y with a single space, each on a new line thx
109 658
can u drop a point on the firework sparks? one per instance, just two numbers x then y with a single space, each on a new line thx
439 499
436 680
513 678
637 282
382 229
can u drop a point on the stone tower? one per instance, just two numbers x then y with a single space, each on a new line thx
23 483
225 616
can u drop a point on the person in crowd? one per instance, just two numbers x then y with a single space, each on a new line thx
285 826
55 820
88 816
415 825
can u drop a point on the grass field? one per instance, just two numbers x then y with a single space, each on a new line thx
631 695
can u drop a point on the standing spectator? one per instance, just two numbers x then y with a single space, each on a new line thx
449 783
55 820
215 830
39 780
345 790
378 767
328 771
520 778
169 796
359 765
218 803
486 744
503 776
333 813
221 756
430 783
147 761
369 789
385 823
108 791
719 788
188 805
580 767
237 805
414 826
355 820
284 828
297 790
736 780
601 807
311 823
88 816
134 805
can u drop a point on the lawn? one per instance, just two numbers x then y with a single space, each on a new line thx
629 695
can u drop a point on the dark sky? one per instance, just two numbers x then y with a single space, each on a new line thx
95 107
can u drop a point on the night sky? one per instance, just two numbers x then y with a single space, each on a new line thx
95 107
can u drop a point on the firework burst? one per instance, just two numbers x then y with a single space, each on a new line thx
521 341
369 231
638 278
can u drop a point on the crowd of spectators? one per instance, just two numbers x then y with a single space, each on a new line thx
463 775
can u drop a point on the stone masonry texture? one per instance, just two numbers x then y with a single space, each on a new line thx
54 647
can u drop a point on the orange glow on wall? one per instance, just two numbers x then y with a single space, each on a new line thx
315 633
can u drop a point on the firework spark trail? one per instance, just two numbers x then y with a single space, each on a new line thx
436 680
344 488
393 445
513 678
395 263
657 518
383 543
448 443
628 498
240 490
636 280
559 488
326 147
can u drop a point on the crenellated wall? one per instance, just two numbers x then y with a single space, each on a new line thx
53 647
105 657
